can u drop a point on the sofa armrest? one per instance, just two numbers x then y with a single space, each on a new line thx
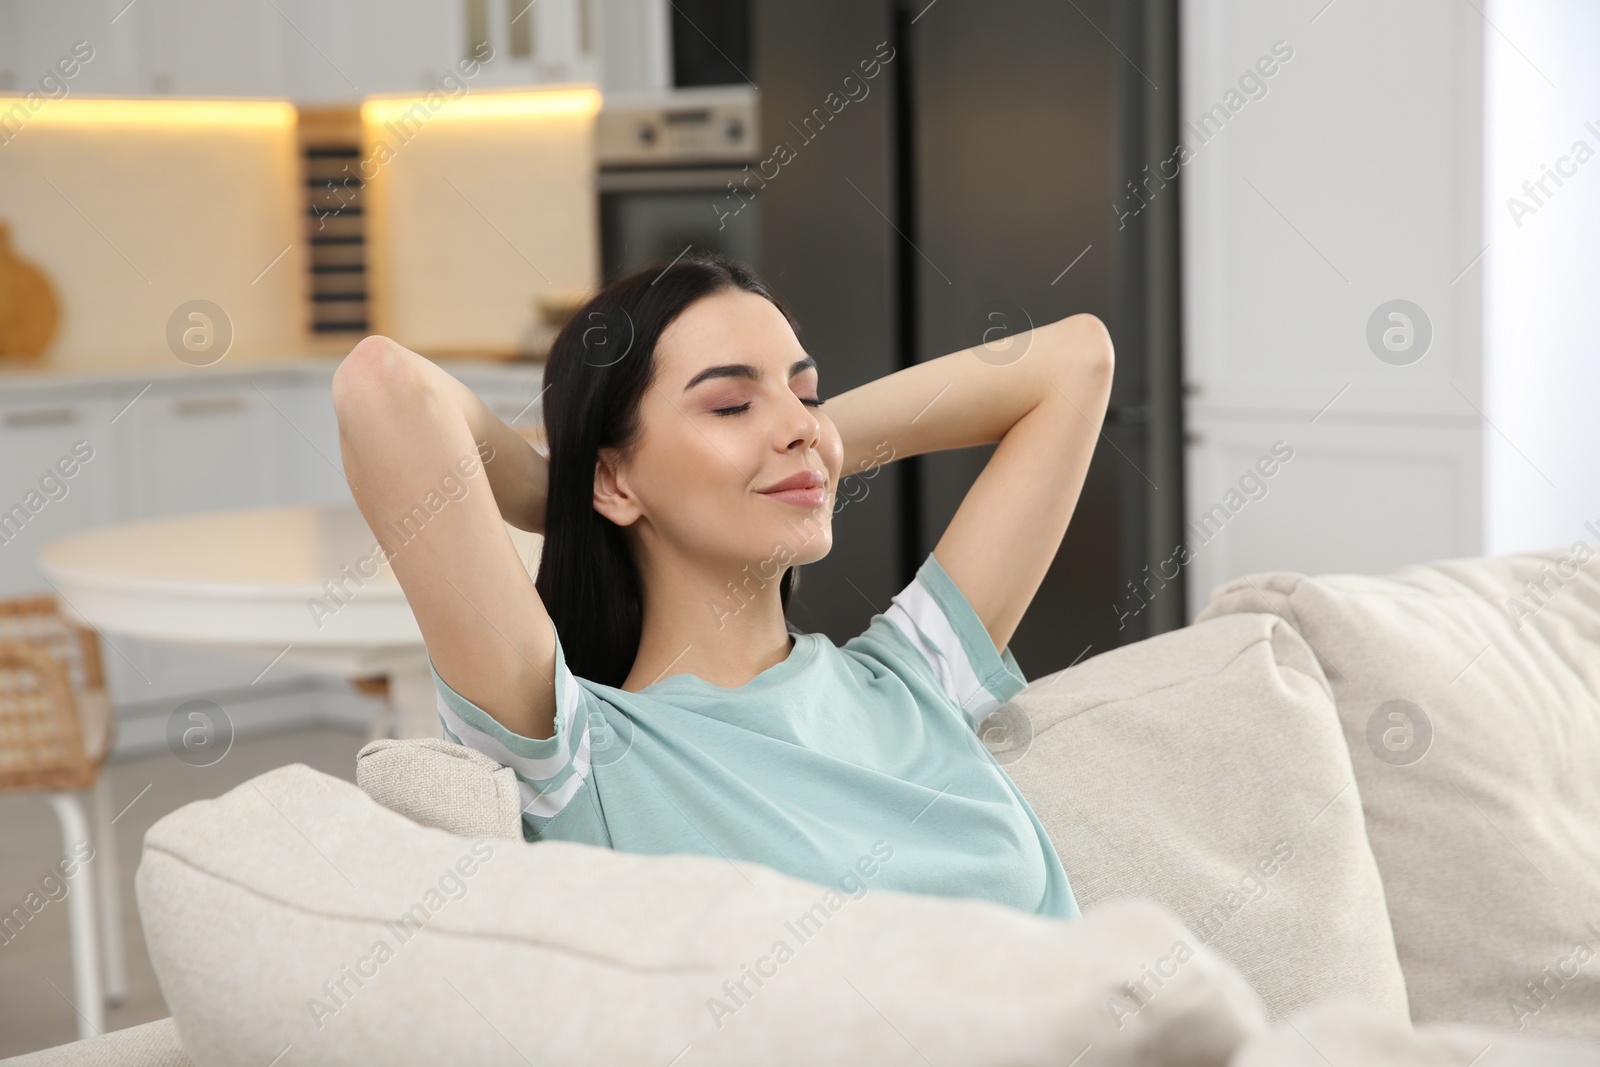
440 784
154 1044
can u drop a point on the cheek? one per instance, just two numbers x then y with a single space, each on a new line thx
832 449
692 471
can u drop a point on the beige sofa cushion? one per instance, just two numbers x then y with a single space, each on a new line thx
1483 808
275 919
152 1044
1204 769
436 783
1345 1034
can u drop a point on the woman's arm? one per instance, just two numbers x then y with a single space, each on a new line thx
412 438
1045 409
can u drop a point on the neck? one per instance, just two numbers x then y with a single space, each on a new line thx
705 618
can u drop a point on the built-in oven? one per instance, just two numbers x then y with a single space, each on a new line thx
676 173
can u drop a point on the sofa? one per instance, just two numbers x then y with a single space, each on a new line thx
1341 819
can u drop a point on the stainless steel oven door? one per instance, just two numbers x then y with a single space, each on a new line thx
657 214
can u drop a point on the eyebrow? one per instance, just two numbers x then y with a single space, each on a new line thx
746 371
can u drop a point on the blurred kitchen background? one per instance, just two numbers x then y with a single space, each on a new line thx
1242 191
1346 250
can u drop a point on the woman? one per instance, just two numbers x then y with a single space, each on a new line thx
648 691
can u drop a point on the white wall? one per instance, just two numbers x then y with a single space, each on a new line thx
474 216
1543 274
131 219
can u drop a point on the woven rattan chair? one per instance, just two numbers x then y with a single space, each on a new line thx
56 729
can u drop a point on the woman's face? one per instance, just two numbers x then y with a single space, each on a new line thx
732 413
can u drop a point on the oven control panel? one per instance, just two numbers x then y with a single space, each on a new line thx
679 126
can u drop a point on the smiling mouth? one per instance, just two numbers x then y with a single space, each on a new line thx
807 489
807 497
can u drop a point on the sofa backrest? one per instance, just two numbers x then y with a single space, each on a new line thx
1469 696
1204 769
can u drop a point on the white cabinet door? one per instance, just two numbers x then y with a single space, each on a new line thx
202 448
204 48
1322 498
343 52
310 466
1294 236
58 475
74 49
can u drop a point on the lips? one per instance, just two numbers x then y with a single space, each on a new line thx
809 478
807 488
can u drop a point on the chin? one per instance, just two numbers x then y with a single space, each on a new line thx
803 537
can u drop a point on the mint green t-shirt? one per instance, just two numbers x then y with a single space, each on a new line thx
830 756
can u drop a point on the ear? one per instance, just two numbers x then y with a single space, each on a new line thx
612 497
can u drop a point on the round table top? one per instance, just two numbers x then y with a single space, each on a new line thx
307 576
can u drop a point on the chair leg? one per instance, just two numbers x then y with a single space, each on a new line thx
91 1009
110 893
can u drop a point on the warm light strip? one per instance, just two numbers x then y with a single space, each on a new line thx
76 111
379 110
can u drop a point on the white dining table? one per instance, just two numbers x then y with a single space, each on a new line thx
301 584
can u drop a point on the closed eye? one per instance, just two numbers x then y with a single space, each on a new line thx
811 402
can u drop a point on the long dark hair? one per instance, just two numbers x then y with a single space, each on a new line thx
600 364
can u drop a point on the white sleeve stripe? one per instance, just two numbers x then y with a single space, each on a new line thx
527 767
549 805
918 615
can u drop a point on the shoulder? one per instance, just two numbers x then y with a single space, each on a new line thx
931 626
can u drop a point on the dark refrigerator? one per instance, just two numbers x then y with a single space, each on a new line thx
994 157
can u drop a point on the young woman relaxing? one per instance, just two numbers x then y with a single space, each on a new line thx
648 690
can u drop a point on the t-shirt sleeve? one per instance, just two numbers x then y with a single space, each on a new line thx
552 772
939 622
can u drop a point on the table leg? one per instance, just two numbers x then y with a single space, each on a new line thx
414 700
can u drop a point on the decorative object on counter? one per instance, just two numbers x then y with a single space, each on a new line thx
552 309
29 312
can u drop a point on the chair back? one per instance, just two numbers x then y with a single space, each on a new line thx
46 661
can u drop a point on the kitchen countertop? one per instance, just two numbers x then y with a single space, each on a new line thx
19 378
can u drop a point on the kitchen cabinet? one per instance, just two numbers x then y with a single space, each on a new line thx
169 443
1281 493
299 49
201 449
1294 261
41 438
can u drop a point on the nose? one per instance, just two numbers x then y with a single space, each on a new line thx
803 428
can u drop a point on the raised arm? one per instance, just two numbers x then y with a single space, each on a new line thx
1045 410
434 472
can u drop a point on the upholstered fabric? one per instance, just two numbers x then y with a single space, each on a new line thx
154 1044
1469 693
1345 1034
437 783
1204 769
274 921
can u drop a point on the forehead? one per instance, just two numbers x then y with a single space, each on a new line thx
731 326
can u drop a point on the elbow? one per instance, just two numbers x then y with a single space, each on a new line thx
1092 350
376 367
1084 356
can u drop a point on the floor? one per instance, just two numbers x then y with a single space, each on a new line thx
36 966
